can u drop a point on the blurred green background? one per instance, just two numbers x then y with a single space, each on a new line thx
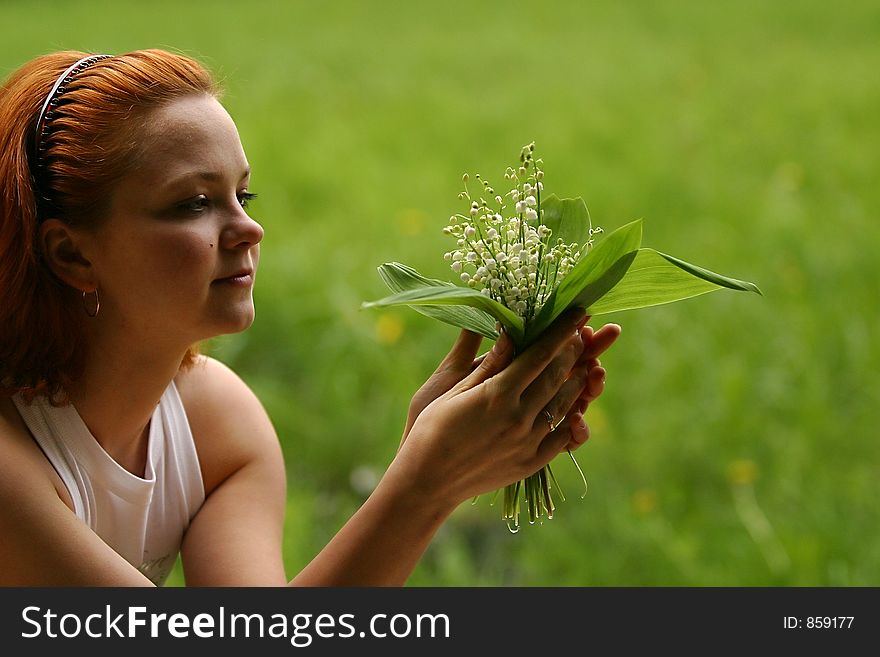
736 443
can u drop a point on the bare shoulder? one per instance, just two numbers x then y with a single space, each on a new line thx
229 424
42 542
211 386
21 459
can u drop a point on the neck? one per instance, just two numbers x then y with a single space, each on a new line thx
118 393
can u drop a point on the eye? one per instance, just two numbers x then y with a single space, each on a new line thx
195 205
244 198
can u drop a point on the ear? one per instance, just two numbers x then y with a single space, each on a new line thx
62 250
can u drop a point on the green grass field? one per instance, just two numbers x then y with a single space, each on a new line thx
737 441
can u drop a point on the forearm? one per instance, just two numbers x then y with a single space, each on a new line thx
382 542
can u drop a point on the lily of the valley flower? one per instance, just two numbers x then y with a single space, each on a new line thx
504 250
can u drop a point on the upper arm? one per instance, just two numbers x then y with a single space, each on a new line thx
42 542
235 539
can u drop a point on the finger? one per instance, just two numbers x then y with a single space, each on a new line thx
492 363
534 360
558 440
560 404
579 429
558 374
596 343
476 362
462 354
595 385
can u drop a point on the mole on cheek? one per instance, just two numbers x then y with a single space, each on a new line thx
211 245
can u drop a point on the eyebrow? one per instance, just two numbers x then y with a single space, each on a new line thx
211 176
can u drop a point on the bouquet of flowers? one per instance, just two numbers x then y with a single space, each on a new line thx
524 258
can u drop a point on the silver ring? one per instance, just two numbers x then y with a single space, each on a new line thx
550 419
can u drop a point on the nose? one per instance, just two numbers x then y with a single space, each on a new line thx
241 231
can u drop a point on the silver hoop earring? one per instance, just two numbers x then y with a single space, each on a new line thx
93 312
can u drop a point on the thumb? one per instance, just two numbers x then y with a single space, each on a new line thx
461 356
496 360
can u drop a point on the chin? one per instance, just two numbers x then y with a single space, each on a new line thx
243 324
236 322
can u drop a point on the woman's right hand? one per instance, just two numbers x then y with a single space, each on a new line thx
491 429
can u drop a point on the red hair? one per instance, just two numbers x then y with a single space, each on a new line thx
92 143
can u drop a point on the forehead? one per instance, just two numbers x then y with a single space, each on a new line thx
189 133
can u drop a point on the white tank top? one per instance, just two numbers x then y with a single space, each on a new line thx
143 519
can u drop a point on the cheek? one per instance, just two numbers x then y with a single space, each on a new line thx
180 258
186 255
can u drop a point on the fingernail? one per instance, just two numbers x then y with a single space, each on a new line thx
579 317
579 422
502 344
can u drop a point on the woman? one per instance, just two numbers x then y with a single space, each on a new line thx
124 240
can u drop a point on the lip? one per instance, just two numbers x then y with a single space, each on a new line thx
241 277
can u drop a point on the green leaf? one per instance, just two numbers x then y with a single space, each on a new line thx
454 295
568 218
655 278
711 276
593 275
399 278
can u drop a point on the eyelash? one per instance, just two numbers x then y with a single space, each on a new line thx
201 203
244 198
